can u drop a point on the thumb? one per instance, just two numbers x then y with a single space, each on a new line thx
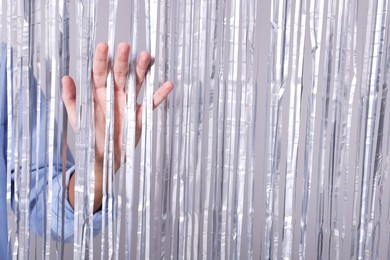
69 98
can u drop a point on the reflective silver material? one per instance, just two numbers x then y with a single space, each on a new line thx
279 67
109 156
17 19
24 225
85 138
63 124
370 91
273 144
130 129
315 24
296 86
12 223
145 194
38 73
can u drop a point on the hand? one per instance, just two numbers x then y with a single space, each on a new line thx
99 79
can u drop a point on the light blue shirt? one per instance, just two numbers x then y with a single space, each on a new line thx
37 215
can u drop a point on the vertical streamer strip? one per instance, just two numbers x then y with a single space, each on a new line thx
130 121
371 90
144 210
251 95
279 67
108 167
130 142
109 157
296 85
243 130
10 127
178 73
38 72
183 170
230 142
321 171
26 134
315 22
52 81
16 82
84 173
211 85
64 134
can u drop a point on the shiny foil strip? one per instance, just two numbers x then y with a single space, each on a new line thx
130 129
274 142
281 13
84 180
26 135
63 124
37 67
146 175
10 132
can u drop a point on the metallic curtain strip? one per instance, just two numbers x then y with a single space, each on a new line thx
323 145
90 176
243 132
211 89
183 170
357 155
108 167
296 86
231 136
78 193
194 127
109 156
251 93
177 74
52 81
315 23
341 96
84 180
279 66
16 82
38 73
331 240
351 99
145 195
26 133
159 133
217 200
11 134
64 70
169 112
370 181
131 129
167 22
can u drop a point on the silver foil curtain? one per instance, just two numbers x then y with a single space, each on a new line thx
273 144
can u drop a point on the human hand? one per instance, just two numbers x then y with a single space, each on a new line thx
99 79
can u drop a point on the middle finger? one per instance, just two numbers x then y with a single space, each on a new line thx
121 66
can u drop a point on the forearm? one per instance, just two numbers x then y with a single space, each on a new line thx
98 197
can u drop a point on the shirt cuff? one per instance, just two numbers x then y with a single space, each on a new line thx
69 216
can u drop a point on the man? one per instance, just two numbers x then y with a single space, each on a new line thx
69 97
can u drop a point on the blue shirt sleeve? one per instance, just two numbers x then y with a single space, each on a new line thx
37 216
